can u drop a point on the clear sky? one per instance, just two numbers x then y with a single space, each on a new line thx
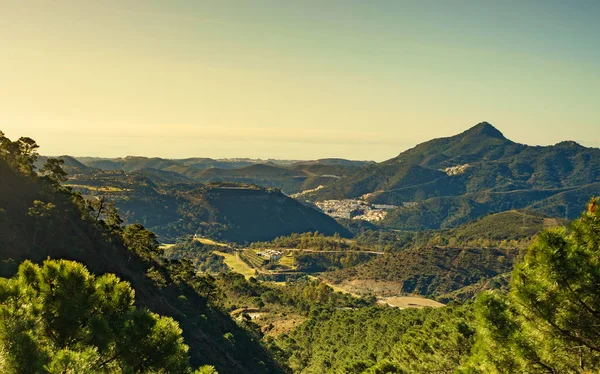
303 79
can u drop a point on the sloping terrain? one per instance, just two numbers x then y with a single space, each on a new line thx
71 165
429 271
38 220
290 177
226 211
456 263
459 178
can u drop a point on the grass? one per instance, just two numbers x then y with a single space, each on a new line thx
288 260
236 264
333 286
404 302
96 188
254 259
208 241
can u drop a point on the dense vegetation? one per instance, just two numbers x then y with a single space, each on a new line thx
290 177
40 219
225 211
511 229
309 240
459 178
546 323
549 320
60 318
317 252
201 255
304 296
429 271
371 339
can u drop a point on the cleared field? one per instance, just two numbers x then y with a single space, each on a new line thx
335 287
96 188
208 241
236 264
165 246
288 261
404 302
254 259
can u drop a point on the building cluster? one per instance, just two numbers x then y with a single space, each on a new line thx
456 170
354 209
270 254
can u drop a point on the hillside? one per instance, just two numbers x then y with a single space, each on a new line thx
458 262
40 219
225 211
71 165
429 271
459 178
289 176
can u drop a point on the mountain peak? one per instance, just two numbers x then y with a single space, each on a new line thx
484 129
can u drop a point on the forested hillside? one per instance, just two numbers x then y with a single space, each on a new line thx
545 321
288 176
456 179
225 211
41 219
139 308
451 264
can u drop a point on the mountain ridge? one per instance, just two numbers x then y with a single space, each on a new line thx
459 168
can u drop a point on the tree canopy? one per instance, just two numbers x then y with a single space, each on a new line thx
550 320
59 318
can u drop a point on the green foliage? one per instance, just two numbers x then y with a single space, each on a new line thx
60 318
19 154
292 178
54 171
201 256
381 340
312 262
303 296
230 212
141 241
206 369
431 271
491 174
549 320
72 230
323 252
309 240
385 241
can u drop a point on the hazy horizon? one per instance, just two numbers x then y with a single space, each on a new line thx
294 80
100 156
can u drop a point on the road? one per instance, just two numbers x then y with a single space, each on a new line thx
317 250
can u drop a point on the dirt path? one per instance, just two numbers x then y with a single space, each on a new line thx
319 251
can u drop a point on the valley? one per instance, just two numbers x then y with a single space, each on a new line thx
259 261
299 187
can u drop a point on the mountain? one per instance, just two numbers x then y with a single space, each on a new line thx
289 176
71 165
459 178
429 271
226 211
459 260
40 220
289 180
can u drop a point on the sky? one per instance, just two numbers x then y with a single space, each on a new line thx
302 79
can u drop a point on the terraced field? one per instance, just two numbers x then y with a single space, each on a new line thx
253 259
288 260
236 264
